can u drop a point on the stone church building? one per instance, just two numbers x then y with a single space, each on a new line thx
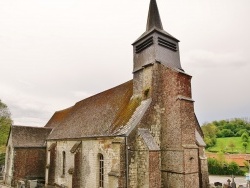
143 133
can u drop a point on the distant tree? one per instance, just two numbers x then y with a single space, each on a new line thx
244 137
4 111
236 126
231 145
240 132
5 123
209 131
244 144
226 133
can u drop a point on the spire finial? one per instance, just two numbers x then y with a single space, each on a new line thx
154 19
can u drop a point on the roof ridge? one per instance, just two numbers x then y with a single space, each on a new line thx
24 126
101 92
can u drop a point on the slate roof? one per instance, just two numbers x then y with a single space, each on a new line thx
134 119
58 117
148 139
154 19
23 136
199 139
104 114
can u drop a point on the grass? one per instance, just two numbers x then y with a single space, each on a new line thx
223 144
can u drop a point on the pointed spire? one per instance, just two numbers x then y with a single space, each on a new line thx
154 19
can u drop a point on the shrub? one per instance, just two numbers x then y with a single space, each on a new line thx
244 137
227 133
216 167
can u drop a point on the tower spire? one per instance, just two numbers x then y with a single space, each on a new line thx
154 19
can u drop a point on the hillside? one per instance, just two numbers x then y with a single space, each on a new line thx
226 145
224 129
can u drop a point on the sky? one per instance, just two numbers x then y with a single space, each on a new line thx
54 53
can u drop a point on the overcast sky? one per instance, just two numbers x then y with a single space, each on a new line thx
54 53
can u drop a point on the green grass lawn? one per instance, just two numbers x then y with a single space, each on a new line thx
222 144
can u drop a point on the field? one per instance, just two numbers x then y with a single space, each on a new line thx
223 144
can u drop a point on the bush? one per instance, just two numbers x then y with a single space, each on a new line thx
240 132
226 133
216 167
210 141
244 137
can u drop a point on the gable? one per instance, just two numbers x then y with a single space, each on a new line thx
23 136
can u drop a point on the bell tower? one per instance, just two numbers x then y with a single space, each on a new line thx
171 119
154 46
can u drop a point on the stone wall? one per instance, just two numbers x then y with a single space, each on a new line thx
86 159
139 165
144 166
77 171
8 173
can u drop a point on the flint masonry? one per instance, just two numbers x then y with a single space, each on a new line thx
143 133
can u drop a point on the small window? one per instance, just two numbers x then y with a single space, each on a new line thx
64 163
101 171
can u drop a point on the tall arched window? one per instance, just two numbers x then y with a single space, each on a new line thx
64 163
101 171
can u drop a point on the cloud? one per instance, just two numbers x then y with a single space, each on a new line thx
210 59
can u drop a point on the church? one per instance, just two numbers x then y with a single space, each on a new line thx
143 133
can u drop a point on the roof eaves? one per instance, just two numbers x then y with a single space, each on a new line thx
148 139
135 118
199 139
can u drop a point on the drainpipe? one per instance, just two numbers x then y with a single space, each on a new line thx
126 160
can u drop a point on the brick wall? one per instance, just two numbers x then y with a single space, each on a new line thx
29 163
154 169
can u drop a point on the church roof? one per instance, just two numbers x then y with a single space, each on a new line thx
58 117
23 136
148 139
106 114
199 139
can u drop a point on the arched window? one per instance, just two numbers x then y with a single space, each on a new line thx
64 163
101 171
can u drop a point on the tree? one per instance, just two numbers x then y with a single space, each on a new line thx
231 145
4 111
5 123
240 132
244 144
227 128
209 131
244 137
226 133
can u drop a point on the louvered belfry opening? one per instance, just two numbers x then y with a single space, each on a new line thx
167 44
148 42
